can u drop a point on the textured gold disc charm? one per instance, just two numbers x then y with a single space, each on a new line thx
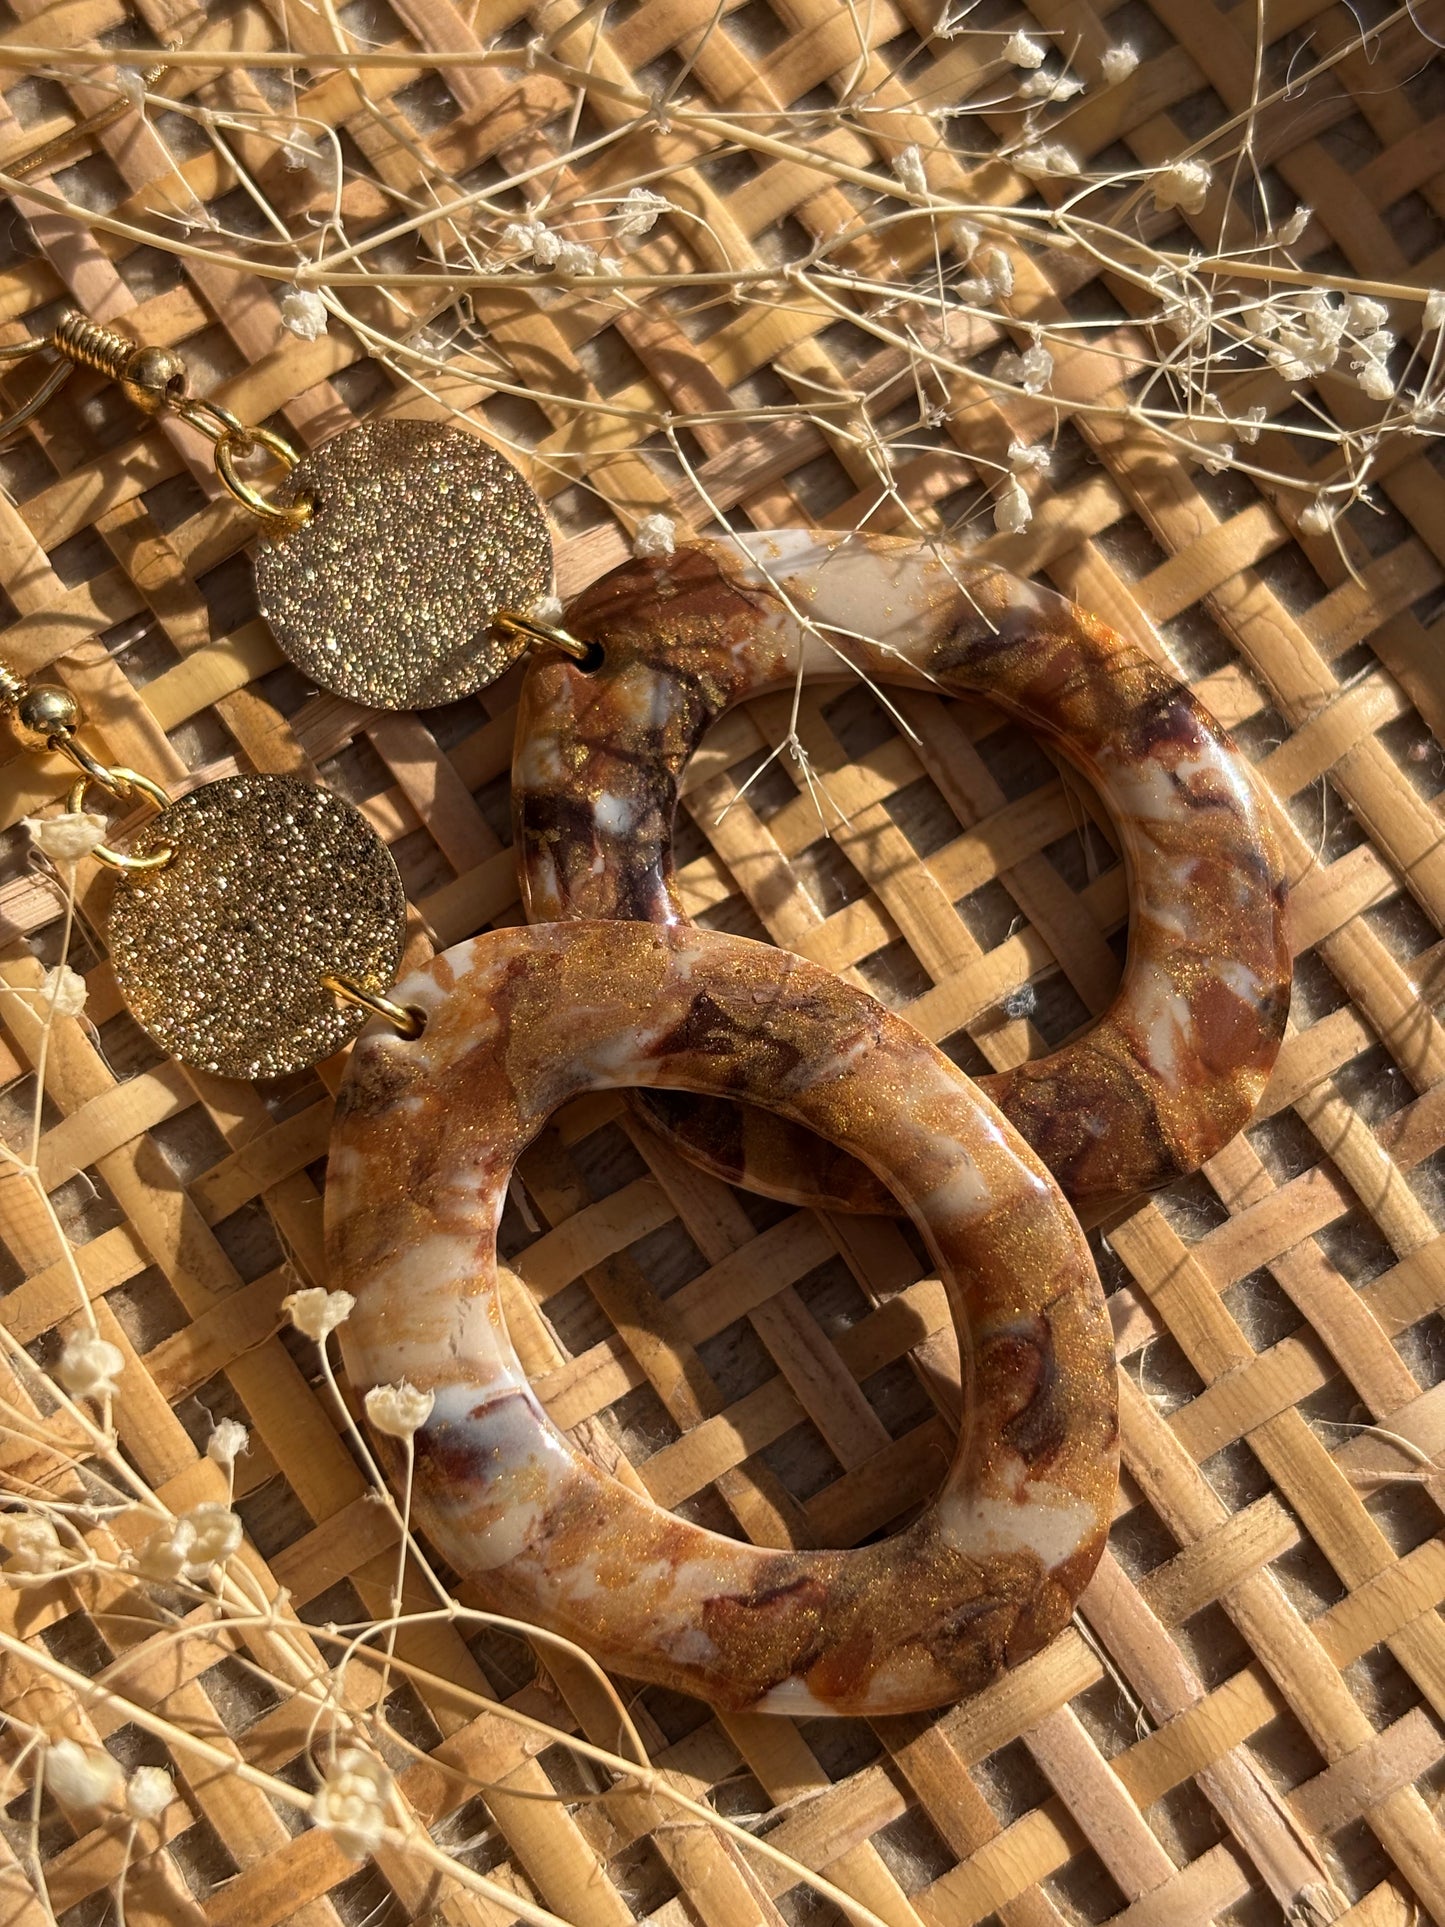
418 537
273 885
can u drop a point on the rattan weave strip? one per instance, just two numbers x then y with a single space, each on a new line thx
1249 1721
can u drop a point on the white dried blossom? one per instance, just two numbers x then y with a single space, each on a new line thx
1013 511
1316 518
399 1410
1041 160
81 1776
130 85
1288 232
1032 370
33 1544
1185 185
1215 460
216 1535
227 1442
997 270
1021 51
1262 318
1027 457
303 152
66 838
964 237
1118 63
574 257
908 166
89 1365
639 210
303 313
148 1792
62 990
1376 380
1042 86
547 608
1365 313
654 535
351 1802
167 1552
1250 423
317 1313
1309 344
1434 315
524 236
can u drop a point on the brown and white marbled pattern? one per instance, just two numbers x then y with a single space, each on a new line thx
426 1135
1172 1070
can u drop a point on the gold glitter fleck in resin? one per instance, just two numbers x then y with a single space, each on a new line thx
420 535
274 883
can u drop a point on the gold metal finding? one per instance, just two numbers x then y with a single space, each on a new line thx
123 783
540 635
155 381
278 516
405 1020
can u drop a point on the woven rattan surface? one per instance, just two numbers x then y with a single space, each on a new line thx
1250 1721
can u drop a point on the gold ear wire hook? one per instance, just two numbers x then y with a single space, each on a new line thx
154 380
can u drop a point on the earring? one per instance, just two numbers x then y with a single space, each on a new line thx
260 920
1176 1065
396 564
519 1021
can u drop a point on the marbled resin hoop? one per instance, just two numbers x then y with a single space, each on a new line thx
1171 1071
426 1134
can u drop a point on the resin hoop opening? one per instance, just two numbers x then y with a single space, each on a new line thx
1171 1071
426 1135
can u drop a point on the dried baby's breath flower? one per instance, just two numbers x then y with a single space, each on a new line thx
1316 518
216 1534
227 1442
1118 63
317 1313
1288 232
639 210
1250 423
148 1792
68 837
351 1802
1433 317
1042 86
1032 370
63 991
1028 457
166 1553
1042 159
399 1410
964 237
33 1544
89 1365
1013 511
654 535
1185 185
81 1776
303 312
908 166
523 236
997 270
1021 51
547 608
